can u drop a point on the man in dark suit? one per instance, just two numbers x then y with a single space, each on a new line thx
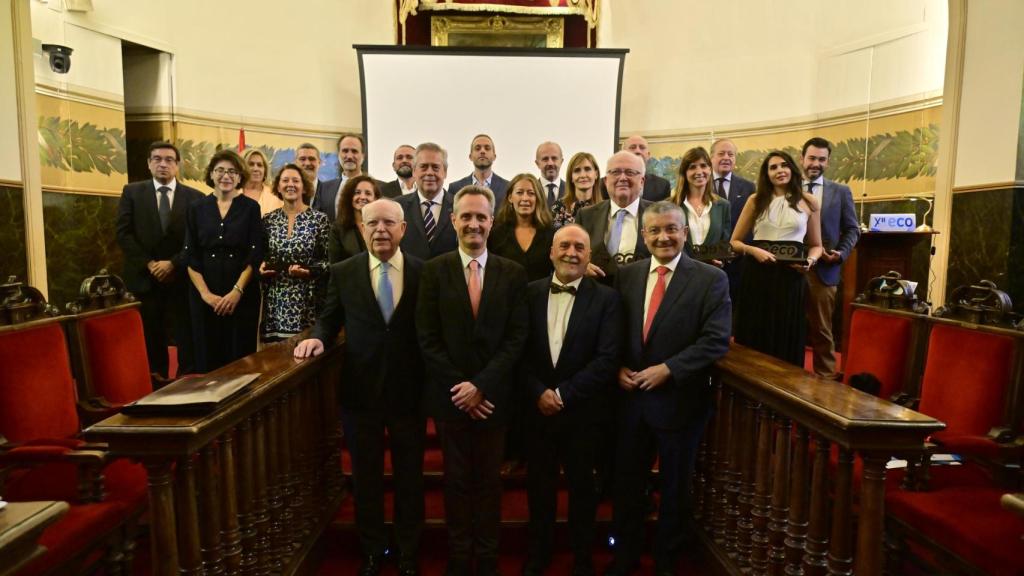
482 155
405 156
373 295
677 315
572 358
472 323
736 190
350 161
429 211
655 187
840 231
614 224
549 162
307 156
151 233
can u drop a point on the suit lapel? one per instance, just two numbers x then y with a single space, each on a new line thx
492 278
680 278
640 251
580 307
540 318
636 288
459 285
445 216
152 208
365 287
178 207
601 226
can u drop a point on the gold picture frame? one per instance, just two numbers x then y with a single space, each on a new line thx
498 31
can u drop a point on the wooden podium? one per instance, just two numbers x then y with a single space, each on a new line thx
875 254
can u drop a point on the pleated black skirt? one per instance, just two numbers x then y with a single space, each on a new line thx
772 317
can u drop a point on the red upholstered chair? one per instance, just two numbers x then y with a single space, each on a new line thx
108 351
42 456
880 344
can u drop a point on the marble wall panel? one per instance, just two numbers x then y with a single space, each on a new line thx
80 241
13 260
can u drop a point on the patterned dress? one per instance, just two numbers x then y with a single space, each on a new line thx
290 305
563 216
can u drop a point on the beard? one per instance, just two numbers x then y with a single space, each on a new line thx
404 171
482 163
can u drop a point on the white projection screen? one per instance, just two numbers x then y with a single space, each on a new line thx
520 97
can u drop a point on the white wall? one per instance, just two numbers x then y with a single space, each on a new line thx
723 64
990 104
10 156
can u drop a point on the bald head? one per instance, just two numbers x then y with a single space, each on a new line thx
624 178
549 160
570 252
637 144
383 226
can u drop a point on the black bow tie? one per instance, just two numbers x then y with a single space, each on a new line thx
559 289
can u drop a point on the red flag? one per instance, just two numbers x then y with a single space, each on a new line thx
241 140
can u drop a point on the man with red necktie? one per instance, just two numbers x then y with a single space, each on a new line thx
678 318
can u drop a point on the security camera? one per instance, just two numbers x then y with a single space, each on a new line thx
60 57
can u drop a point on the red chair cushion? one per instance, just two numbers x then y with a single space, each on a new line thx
967 521
879 344
116 351
37 393
965 378
124 481
81 526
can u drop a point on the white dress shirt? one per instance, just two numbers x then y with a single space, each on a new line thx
466 258
544 186
394 274
726 186
819 188
170 194
697 223
559 310
652 279
435 208
627 244
409 190
486 183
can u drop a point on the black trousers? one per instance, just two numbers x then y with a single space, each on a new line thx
561 441
677 453
472 491
165 317
364 435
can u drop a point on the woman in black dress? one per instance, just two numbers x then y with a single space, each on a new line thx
522 229
346 240
224 248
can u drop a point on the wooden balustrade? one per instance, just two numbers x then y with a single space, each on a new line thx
768 500
248 489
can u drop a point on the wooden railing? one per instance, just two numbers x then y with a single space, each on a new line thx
249 488
769 501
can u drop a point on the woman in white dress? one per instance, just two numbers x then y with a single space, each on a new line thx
771 296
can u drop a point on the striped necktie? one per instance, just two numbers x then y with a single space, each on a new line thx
429 225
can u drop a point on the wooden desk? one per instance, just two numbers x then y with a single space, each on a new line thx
21 524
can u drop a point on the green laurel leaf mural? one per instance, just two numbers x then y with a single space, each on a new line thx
68 145
904 154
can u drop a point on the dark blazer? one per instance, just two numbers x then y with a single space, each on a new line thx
343 244
391 189
458 348
594 219
721 224
689 333
382 364
498 185
415 240
840 229
327 196
590 357
739 190
140 236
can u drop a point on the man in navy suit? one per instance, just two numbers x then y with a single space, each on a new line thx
482 155
307 156
549 161
736 190
350 160
151 233
572 358
678 316
839 233
402 163
655 187
429 210
472 323
373 295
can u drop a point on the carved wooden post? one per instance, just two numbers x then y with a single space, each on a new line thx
188 517
260 505
780 497
796 527
737 442
274 502
759 509
231 535
745 499
871 516
710 460
840 554
246 497
209 493
815 560
721 470
163 540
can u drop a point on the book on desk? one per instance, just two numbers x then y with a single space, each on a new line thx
191 395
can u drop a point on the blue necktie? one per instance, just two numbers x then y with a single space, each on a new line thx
616 236
385 295
429 226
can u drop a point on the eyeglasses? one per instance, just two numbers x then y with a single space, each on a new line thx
629 173
221 171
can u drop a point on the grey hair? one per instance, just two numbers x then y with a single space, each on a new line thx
431 147
664 207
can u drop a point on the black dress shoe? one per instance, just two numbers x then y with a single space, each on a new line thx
371 566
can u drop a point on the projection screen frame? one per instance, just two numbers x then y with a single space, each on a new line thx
619 53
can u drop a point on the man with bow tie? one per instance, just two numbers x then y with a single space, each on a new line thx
572 357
